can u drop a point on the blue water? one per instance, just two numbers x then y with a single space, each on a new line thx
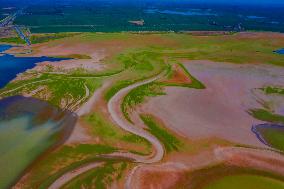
11 65
4 48
190 12
280 51
255 17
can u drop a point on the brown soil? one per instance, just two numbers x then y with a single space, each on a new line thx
220 110
158 177
99 49
178 76
179 173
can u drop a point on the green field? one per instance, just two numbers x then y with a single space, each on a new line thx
38 38
245 181
111 134
273 90
59 90
274 137
222 176
265 115
138 96
170 142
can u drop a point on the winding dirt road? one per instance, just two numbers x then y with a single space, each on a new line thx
117 116
87 107
72 174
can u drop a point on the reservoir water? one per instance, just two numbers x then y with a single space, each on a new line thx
11 65
280 51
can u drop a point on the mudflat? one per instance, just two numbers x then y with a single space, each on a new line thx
220 110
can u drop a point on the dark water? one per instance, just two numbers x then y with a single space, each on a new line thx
28 131
11 65
280 51
159 15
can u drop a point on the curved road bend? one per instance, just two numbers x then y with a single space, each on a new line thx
117 116
72 174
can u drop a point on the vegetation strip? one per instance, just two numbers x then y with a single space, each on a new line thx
124 124
207 177
264 115
170 142
101 177
138 95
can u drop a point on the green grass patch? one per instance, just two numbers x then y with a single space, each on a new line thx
245 181
59 88
138 95
229 48
100 178
38 38
70 89
273 90
141 64
83 73
16 40
264 115
75 56
170 142
111 134
196 84
223 176
41 38
43 175
117 87
274 137
142 60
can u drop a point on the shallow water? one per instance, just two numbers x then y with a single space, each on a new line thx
11 65
26 132
270 134
190 12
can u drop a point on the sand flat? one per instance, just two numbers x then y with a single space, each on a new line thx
220 109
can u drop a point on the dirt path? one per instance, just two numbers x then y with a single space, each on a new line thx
12 90
80 134
72 174
87 107
116 114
